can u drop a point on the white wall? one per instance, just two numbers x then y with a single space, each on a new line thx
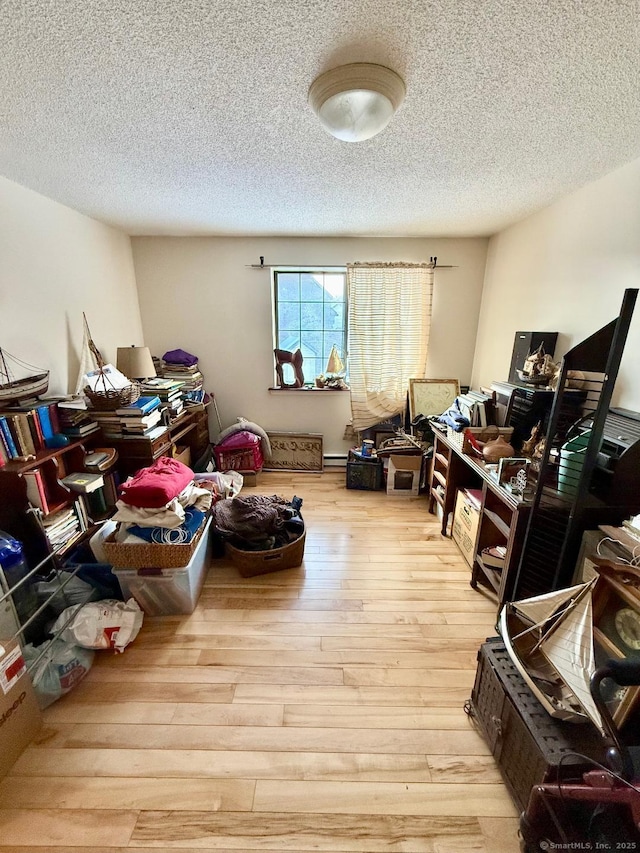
565 269
199 295
57 263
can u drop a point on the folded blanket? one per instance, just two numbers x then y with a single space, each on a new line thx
171 515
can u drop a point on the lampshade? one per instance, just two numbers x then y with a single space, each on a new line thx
355 102
135 362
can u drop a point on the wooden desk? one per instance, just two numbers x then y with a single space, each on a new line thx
503 518
190 428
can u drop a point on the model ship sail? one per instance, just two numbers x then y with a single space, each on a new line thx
550 640
13 390
335 365
90 357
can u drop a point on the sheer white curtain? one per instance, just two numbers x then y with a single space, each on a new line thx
389 323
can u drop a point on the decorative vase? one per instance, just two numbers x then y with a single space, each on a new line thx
496 449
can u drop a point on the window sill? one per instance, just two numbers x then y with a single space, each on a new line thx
308 388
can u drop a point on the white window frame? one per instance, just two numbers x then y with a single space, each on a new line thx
321 268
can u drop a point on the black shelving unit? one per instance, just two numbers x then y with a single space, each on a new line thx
564 504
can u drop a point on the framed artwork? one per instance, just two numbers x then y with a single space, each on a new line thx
295 451
431 396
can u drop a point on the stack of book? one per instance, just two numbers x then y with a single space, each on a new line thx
190 375
140 418
76 419
477 407
170 392
62 526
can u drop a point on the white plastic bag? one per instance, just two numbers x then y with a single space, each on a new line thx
58 671
107 624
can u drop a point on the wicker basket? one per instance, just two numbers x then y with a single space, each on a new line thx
251 563
482 434
147 555
111 399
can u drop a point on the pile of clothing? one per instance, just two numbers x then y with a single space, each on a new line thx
259 522
162 503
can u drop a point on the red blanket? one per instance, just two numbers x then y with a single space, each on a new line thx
158 485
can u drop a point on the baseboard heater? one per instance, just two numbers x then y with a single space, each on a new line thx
334 460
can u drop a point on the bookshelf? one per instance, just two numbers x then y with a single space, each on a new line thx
35 505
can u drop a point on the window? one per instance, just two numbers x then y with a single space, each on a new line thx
310 314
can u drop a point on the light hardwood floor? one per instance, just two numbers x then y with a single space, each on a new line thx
312 709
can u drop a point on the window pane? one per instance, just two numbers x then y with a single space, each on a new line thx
311 286
311 345
311 316
312 367
334 315
288 286
289 340
334 284
288 316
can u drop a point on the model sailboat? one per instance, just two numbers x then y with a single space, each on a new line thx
14 390
550 640
335 365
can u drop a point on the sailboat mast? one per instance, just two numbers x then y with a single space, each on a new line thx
4 370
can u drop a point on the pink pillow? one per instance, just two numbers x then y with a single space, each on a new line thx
157 485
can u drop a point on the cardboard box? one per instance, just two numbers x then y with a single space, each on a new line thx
403 475
183 454
20 716
466 520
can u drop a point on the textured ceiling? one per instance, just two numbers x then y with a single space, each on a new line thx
191 116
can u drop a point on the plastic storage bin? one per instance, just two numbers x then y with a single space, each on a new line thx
571 461
240 452
167 592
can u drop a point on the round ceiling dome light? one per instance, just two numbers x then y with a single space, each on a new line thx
355 102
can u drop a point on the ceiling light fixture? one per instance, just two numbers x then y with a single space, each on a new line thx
355 102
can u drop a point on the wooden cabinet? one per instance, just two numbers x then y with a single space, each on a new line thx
503 517
448 474
503 521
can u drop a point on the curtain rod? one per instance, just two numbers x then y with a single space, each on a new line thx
433 262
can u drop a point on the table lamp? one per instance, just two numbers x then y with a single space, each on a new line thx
135 362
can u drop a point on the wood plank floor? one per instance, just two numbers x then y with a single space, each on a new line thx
312 709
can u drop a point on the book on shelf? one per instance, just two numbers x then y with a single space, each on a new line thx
98 505
151 435
494 556
36 490
83 482
7 438
43 414
22 434
82 430
142 406
141 422
160 385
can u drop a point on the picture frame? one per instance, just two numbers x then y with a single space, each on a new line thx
431 396
295 451
509 466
